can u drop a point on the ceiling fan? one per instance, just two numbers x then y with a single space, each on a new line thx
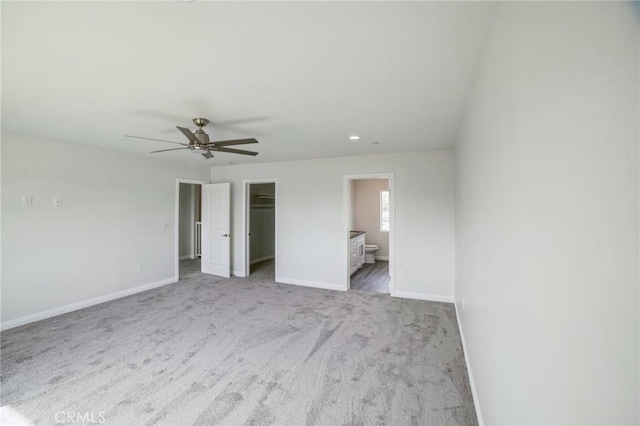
200 144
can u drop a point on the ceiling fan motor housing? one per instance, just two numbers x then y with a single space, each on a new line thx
202 136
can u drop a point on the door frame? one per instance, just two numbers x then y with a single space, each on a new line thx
346 198
245 223
176 225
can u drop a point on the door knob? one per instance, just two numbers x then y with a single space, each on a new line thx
225 235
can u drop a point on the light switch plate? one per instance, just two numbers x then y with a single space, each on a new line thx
27 200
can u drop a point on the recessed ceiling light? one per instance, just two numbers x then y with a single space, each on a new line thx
354 137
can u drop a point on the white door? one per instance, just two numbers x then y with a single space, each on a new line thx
216 235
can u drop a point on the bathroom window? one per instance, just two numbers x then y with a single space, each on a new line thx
384 211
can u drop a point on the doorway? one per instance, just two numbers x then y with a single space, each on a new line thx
187 229
260 228
369 222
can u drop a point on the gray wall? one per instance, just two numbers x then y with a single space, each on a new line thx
312 221
547 216
114 206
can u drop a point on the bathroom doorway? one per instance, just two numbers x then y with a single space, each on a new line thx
260 227
370 226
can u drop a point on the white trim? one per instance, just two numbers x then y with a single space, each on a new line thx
313 284
262 259
176 225
245 223
423 296
188 256
238 274
382 258
472 383
192 221
346 192
84 304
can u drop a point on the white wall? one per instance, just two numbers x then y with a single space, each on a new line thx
311 218
113 209
367 212
547 216
186 220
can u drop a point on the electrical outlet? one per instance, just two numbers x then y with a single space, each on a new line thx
27 200
165 225
140 267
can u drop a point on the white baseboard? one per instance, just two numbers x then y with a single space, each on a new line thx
472 383
83 304
423 296
382 258
239 274
262 259
189 256
314 284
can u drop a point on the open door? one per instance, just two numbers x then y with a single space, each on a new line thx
216 236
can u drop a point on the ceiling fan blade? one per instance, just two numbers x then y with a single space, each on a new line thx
232 151
165 150
207 155
235 142
157 140
189 134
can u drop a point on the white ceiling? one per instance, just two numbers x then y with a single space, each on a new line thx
300 77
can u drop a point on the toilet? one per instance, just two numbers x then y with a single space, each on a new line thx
370 253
